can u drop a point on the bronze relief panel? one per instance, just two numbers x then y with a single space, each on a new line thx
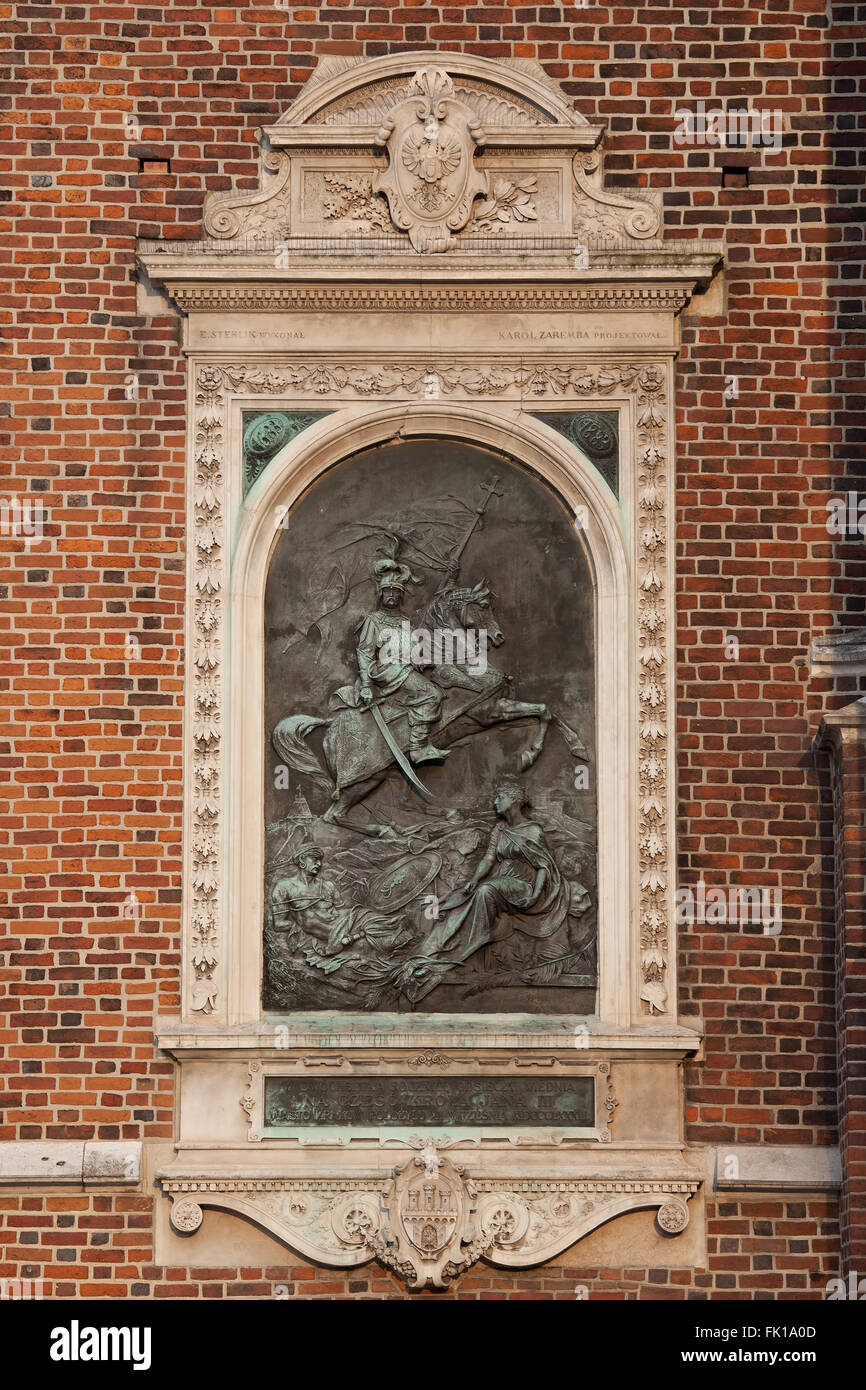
430 785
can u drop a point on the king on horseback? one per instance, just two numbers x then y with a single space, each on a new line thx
383 671
391 713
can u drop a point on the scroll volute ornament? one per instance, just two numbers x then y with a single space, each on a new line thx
431 181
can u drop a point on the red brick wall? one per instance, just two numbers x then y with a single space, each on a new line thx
100 1247
755 561
90 725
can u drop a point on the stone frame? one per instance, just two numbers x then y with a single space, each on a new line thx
221 901
433 1063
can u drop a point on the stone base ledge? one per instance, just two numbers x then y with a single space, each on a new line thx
839 653
776 1168
84 1163
580 1038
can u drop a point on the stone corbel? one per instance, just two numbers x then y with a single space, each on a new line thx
429 1222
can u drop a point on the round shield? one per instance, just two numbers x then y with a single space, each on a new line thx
402 880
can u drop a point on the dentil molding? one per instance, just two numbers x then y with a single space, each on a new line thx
412 299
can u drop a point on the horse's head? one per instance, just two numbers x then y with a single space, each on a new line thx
471 608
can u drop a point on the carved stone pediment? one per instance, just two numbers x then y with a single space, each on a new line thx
486 101
434 152
480 85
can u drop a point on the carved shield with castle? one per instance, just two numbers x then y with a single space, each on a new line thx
428 1212
427 1206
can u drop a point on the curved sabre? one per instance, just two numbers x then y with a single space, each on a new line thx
402 761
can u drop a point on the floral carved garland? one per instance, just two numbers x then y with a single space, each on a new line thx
214 384
208 543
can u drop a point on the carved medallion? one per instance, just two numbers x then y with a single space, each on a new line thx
673 1216
266 432
595 433
431 181
186 1217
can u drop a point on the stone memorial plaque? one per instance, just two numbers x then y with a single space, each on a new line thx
430 790
401 1101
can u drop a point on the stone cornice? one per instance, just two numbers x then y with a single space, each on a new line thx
209 297
208 1182
838 653
302 137
204 277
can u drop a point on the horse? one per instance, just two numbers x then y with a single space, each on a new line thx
356 757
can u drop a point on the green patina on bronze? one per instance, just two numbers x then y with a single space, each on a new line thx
431 822
376 1102
595 433
268 431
